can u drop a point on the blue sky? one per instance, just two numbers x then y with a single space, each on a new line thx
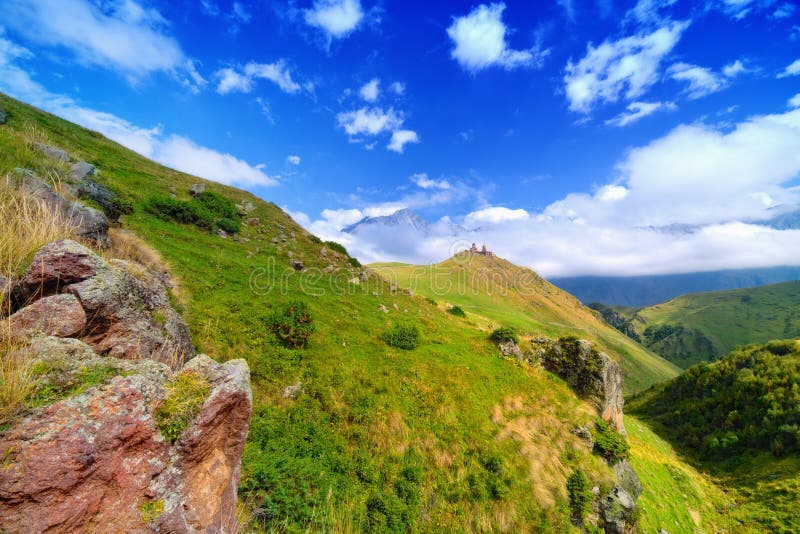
572 136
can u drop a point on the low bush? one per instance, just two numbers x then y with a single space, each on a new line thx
609 443
580 496
504 335
232 226
208 211
354 262
402 336
293 325
457 311
217 204
333 245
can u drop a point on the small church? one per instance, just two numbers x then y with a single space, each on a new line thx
483 251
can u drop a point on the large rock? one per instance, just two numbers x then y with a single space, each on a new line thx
97 462
128 314
81 171
89 222
196 189
618 512
58 315
510 350
593 375
104 197
52 152
628 479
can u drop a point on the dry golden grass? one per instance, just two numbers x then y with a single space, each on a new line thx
16 374
28 224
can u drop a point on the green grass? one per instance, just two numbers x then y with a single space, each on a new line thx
712 324
498 293
53 383
186 394
448 437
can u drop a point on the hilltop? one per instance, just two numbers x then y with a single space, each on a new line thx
493 292
349 433
704 326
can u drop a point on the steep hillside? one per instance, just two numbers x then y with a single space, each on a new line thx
348 433
703 326
738 420
494 292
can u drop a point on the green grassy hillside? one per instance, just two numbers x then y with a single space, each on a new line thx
495 292
739 420
448 437
704 326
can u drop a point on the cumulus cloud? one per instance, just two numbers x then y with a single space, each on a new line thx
626 67
792 69
648 12
700 80
336 18
710 183
242 80
397 88
639 110
120 35
734 69
400 138
794 102
173 150
421 180
294 160
479 40
369 121
370 90
784 11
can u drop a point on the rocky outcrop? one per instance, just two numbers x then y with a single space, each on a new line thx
89 223
3 116
510 350
52 152
593 375
618 509
98 462
125 309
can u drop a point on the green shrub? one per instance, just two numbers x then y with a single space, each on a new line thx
217 204
430 301
354 262
169 208
457 311
402 336
504 335
609 443
232 226
580 496
333 245
293 325
185 396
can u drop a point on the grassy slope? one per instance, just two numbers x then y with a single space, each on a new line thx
369 415
726 319
495 292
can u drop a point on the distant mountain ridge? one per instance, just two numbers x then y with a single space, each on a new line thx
639 291
403 217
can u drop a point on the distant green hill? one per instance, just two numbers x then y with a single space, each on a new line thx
739 420
703 326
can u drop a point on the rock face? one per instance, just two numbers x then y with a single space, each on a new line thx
97 462
510 349
593 375
618 509
126 310
89 222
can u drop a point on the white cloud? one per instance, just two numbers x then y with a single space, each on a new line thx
648 11
400 138
293 159
639 110
172 150
370 90
119 35
701 81
710 182
232 80
569 8
791 70
794 102
421 180
369 121
734 69
397 88
337 18
240 13
629 65
480 41
494 215
784 11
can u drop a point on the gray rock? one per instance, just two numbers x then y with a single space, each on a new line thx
196 189
88 188
52 152
292 391
510 350
618 509
81 171
585 435
222 233
3 116
628 479
252 221
383 308
297 265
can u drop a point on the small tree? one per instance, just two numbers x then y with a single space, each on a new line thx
579 495
293 325
609 443
402 336
504 335
457 311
